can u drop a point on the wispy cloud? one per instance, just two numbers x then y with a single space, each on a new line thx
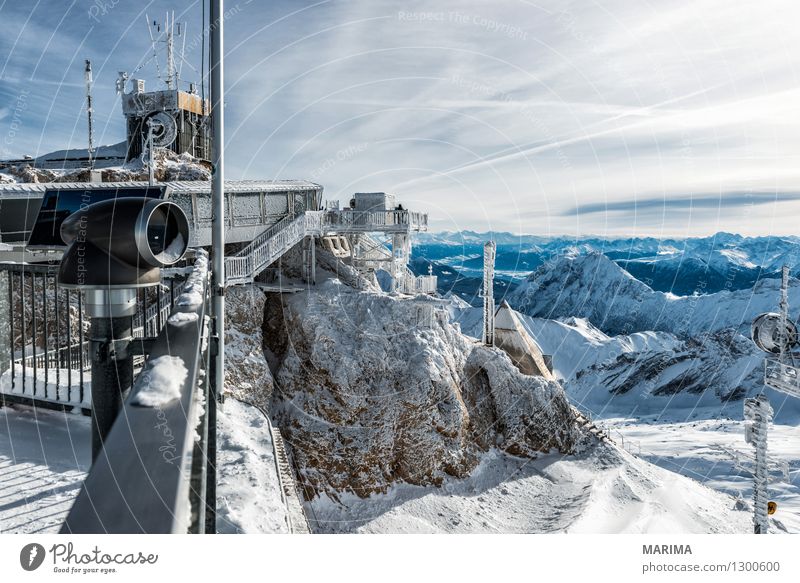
687 201
549 117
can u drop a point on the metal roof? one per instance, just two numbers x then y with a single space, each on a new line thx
196 186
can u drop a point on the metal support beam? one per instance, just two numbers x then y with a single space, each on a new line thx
111 314
151 159
313 260
210 514
218 189
89 110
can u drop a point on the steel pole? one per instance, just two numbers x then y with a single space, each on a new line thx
218 188
111 313
217 256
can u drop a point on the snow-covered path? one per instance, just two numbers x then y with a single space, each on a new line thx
706 450
603 491
44 456
248 495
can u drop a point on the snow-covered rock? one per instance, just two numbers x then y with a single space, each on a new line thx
247 373
373 390
169 167
642 371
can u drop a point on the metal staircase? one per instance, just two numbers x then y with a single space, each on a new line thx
266 248
270 245
295 515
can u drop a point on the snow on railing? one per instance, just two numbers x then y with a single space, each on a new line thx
152 473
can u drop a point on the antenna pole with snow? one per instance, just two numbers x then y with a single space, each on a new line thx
489 253
774 334
758 414
168 27
151 159
784 312
88 78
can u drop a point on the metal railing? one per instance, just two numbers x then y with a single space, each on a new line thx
153 475
270 245
74 357
46 349
49 352
417 284
264 249
390 221
781 376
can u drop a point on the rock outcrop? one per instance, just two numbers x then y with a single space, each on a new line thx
372 389
247 373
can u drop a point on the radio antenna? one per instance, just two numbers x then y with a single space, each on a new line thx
88 78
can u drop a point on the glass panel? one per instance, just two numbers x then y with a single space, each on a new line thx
275 204
247 208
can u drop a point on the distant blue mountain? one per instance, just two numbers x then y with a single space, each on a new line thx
701 265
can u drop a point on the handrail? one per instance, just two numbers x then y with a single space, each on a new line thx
782 377
266 248
417 284
375 221
290 230
140 482
78 352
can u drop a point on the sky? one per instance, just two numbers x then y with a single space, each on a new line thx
607 118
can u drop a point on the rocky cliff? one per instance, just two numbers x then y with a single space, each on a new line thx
373 389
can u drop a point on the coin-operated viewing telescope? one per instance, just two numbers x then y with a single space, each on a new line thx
115 247
122 243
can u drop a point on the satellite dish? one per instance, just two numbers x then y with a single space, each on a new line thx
164 129
766 333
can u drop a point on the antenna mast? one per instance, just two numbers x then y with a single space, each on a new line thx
166 36
784 312
169 27
88 78
489 254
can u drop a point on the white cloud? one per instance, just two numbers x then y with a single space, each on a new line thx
508 114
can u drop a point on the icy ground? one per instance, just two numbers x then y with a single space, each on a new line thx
248 496
711 449
602 491
696 435
44 456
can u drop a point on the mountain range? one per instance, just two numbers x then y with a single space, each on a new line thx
720 262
